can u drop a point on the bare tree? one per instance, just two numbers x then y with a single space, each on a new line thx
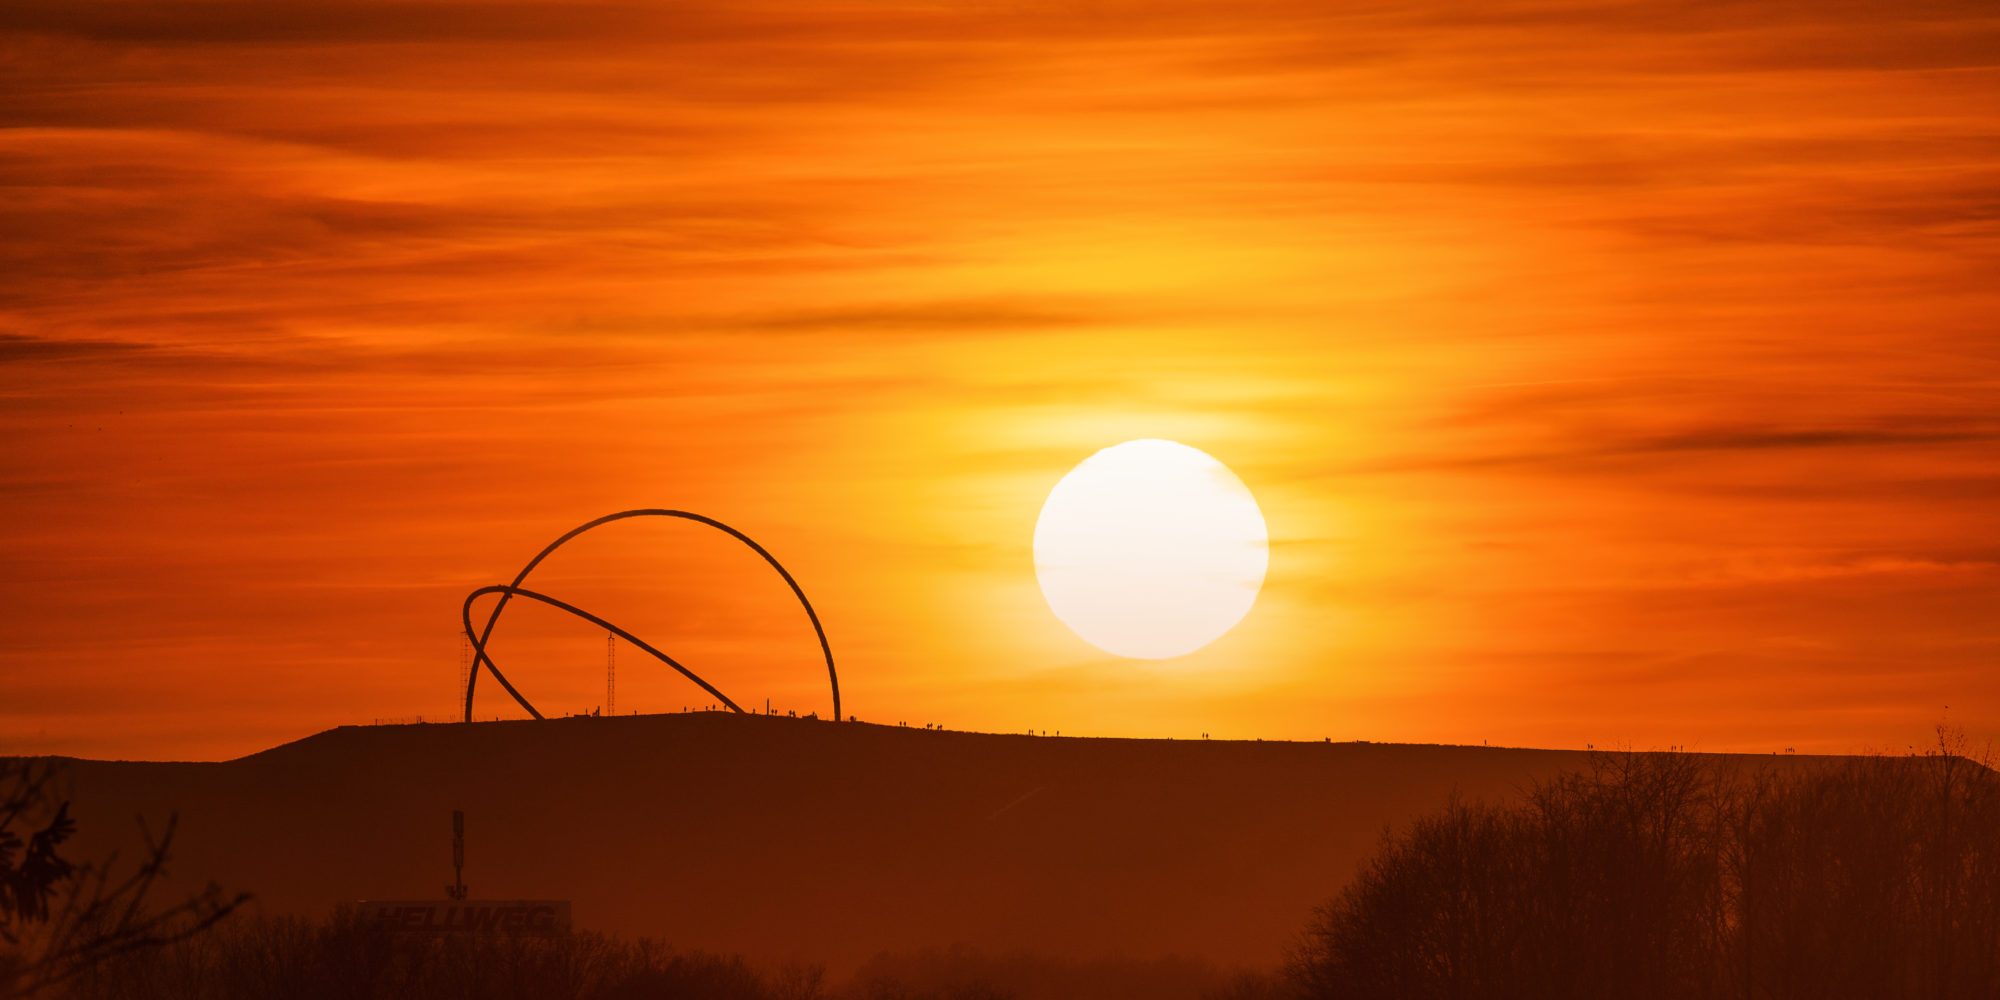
60 918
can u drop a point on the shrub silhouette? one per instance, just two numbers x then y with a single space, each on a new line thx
344 959
967 973
1660 875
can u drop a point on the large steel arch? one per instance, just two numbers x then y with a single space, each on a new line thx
480 656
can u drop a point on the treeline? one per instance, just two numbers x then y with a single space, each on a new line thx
1662 875
343 959
964 972
260 959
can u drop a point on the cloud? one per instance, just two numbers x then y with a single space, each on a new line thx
1909 431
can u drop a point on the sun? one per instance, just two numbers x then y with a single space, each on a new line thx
1151 549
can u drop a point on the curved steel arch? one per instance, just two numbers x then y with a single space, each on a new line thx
479 642
465 615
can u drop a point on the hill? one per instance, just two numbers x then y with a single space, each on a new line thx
786 838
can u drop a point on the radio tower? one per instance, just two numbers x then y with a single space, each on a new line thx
456 890
464 670
610 674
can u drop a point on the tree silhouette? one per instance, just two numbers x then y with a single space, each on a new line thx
59 919
1663 875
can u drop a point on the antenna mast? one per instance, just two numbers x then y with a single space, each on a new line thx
464 673
456 890
610 674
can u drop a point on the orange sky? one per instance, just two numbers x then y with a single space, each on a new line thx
1607 373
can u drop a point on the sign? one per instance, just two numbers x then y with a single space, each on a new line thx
465 916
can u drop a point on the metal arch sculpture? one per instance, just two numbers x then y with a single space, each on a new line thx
509 591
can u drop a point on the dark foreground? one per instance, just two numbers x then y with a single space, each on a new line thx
1647 877
824 842
1655 875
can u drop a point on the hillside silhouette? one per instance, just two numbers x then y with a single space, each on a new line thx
788 838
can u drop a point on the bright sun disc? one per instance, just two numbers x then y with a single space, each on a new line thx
1150 549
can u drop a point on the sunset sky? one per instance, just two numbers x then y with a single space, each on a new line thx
1621 374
